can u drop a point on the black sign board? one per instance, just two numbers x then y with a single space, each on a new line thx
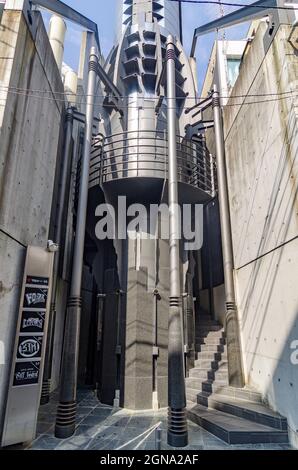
29 347
37 281
35 297
26 373
32 322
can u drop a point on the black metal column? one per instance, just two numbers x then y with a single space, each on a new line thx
177 422
66 164
66 413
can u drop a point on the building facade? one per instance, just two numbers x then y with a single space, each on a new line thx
121 341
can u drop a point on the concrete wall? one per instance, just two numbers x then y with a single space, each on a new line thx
262 160
29 140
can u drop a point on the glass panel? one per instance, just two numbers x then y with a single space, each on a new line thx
1 8
233 70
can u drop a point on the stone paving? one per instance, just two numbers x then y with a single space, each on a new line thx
101 427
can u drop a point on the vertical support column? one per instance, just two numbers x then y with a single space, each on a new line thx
46 383
66 413
232 327
56 37
177 422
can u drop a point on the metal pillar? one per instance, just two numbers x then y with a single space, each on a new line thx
177 422
232 327
46 383
66 413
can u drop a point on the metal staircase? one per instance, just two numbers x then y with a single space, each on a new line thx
237 416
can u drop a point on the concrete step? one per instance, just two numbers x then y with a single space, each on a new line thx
205 385
233 429
250 410
216 341
210 347
191 395
209 374
209 334
208 327
237 393
198 373
206 364
211 355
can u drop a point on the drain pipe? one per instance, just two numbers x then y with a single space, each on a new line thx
67 158
66 412
235 367
177 422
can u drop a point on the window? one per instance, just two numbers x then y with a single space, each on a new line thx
233 66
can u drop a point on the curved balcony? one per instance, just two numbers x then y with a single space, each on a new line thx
135 156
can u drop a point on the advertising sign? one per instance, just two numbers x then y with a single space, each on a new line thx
29 351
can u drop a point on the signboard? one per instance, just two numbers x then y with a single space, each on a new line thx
33 321
29 347
29 351
35 297
26 373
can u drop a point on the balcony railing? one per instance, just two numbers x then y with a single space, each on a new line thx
145 154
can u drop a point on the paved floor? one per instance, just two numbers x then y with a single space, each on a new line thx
101 427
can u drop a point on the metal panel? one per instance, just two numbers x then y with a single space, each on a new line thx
255 10
29 349
69 13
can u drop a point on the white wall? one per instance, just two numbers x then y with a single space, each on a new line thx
262 160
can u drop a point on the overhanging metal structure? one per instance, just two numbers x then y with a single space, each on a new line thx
256 10
69 13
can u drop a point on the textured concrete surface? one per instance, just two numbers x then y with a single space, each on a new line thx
29 144
262 167
101 427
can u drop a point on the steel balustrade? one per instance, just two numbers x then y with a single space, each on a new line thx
144 154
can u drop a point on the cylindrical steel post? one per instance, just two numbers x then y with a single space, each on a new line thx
66 164
66 413
232 327
177 422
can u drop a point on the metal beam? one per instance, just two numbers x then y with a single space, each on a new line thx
56 6
200 126
255 10
108 82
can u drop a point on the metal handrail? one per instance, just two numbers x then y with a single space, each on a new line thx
144 153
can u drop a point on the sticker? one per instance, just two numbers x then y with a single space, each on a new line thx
37 281
32 322
26 373
29 347
35 297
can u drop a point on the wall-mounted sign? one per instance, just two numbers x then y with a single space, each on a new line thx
35 297
37 281
26 373
29 347
32 322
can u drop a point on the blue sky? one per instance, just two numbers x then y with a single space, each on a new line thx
103 12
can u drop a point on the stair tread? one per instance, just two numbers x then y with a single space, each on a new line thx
232 423
247 404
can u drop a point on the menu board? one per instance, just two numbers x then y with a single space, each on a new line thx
31 331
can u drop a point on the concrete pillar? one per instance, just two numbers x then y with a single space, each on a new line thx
57 32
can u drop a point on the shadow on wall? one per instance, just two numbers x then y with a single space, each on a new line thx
269 303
